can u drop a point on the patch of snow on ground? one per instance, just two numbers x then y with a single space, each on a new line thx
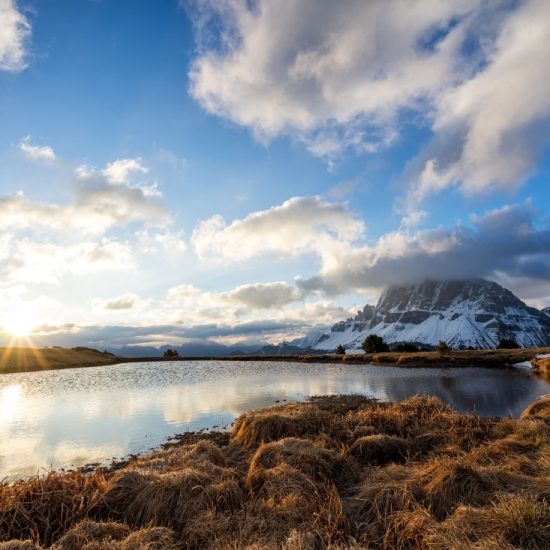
524 365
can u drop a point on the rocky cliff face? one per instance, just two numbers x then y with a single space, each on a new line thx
467 313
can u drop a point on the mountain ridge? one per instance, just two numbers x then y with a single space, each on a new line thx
464 313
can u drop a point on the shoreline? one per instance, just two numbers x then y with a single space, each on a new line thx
343 471
14 360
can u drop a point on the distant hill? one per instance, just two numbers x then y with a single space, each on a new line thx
475 313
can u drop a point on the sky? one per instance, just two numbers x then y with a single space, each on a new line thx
249 170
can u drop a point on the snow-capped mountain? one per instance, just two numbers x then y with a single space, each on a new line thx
467 313
546 311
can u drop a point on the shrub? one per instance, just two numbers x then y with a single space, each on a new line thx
171 353
507 343
340 350
442 346
374 344
404 347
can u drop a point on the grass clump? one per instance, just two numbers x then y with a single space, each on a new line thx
341 473
380 449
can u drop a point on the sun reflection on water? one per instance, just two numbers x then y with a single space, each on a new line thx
9 399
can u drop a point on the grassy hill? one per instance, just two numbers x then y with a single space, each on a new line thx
15 359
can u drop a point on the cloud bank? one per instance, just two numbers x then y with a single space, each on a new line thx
512 241
348 75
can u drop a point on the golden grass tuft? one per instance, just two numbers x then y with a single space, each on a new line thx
449 483
88 532
318 463
151 538
539 409
253 428
19 545
170 499
520 521
380 449
43 508
338 473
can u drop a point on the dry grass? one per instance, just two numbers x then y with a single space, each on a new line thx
15 359
380 449
338 473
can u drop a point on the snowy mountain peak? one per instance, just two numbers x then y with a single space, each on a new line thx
463 313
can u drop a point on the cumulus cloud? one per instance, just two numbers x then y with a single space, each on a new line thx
490 128
47 262
503 241
336 74
120 170
340 75
15 31
124 302
299 225
513 240
97 206
42 153
264 295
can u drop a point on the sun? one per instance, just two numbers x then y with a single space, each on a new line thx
18 324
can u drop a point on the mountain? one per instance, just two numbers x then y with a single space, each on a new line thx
207 348
546 311
475 313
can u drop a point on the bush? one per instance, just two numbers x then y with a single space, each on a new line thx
374 344
507 343
340 350
442 346
171 353
404 348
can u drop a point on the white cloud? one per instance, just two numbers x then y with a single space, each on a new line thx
264 295
335 74
299 225
156 242
125 302
42 153
98 204
120 171
340 75
504 241
486 127
15 31
47 262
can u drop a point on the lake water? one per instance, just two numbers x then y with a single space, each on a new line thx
68 418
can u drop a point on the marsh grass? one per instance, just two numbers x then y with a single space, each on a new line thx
339 473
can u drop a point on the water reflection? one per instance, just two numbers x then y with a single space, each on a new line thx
72 417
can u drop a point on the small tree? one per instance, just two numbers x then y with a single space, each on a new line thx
171 353
442 347
374 344
340 350
507 343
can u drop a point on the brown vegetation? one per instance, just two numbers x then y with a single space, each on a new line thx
541 364
14 359
341 472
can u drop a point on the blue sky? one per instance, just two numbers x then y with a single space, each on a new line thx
245 170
